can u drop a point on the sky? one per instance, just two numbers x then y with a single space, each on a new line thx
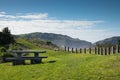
90 20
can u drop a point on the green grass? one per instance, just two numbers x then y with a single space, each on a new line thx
64 66
27 44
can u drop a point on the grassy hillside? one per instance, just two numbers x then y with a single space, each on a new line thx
58 39
35 43
64 66
27 44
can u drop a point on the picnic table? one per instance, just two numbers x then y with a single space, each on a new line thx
19 59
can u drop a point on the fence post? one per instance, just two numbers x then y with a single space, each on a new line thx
117 49
72 50
85 50
98 50
113 50
80 50
68 49
65 48
109 50
101 50
76 50
95 50
105 51
90 50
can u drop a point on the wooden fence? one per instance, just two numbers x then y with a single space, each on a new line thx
95 50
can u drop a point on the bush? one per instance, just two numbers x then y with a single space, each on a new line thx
2 51
4 54
48 43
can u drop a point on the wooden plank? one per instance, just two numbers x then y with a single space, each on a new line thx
34 57
24 58
28 51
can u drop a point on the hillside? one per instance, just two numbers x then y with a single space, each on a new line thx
109 41
34 43
61 65
58 39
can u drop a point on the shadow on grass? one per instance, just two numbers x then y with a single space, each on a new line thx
53 61
28 63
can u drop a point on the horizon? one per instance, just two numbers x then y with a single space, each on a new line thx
65 35
89 20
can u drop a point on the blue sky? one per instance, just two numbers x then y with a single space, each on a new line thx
90 20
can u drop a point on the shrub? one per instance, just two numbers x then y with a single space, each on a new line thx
4 54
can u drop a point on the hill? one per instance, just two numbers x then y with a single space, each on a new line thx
72 66
58 39
109 41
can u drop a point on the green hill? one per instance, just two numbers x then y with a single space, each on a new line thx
112 41
58 39
62 65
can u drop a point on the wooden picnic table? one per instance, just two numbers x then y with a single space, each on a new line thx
19 59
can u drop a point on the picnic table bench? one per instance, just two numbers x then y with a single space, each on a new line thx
19 59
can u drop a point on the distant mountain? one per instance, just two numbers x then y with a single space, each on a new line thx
58 39
109 41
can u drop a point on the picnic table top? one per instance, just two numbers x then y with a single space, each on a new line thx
28 51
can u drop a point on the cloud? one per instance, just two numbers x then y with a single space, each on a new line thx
26 16
27 23
34 16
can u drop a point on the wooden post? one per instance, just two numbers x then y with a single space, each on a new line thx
80 50
109 50
72 50
105 49
68 49
101 51
76 50
36 54
95 50
118 48
113 50
90 50
65 48
98 50
85 50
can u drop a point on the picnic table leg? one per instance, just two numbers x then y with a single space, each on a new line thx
35 61
18 62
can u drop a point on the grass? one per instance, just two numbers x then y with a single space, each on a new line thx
26 43
62 65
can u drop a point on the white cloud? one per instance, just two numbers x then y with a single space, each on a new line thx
26 16
41 23
2 12
34 16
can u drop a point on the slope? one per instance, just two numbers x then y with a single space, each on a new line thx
109 41
58 39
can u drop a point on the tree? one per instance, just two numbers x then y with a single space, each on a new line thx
6 37
6 31
48 43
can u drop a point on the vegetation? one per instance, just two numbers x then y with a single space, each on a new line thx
7 43
65 66
6 37
41 43
109 42
59 65
58 39
62 65
5 40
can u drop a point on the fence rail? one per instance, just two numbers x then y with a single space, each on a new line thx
95 50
